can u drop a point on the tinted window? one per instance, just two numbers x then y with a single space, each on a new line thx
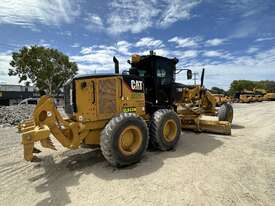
165 71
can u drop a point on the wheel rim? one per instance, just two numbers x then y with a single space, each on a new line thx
170 130
130 140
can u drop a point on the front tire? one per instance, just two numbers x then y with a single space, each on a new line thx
124 139
165 129
226 113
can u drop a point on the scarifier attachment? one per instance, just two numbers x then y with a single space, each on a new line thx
47 120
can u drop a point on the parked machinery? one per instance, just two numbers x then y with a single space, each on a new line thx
122 113
221 99
269 96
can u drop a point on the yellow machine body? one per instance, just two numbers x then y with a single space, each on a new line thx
96 100
221 99
201 97
246 98
269 97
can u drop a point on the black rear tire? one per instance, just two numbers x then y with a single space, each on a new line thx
226 113
110 142
156 128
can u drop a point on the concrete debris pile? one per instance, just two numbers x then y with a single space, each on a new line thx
12 115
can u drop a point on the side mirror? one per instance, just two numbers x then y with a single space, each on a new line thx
189 74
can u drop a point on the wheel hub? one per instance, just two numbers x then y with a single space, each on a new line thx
170 130
130 140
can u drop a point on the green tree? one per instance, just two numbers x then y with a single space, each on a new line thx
268 85
47 68
240 85
217 90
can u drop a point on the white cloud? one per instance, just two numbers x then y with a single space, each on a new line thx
246 28
123 47
209 54
44 43
252 50
161 52
222 74
185 54
264 39
94 22
99 58
28 13
132 16
185 42
190 54
212 53
175 10
215 42
251 67
247 8
5 59
136 16
149 42
86 50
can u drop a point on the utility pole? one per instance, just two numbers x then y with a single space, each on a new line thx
195 74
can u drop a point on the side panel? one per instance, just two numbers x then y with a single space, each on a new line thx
102 98
107 97
85 97
99 99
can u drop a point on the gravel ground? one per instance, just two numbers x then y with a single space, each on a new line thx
12 115
205 169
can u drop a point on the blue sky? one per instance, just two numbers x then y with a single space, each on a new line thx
231 39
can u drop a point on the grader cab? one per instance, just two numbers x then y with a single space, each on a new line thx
122 113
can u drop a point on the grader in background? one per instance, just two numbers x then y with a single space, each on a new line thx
269 97
122 113
221 99
255 95
264 95
199 96
247 96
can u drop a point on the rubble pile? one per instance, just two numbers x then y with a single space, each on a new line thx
12 115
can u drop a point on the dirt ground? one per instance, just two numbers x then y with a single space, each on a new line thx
205 169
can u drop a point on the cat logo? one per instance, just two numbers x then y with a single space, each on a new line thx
136 85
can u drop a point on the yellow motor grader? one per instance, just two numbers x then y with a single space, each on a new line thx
266 96
247 96
122 113
221 99
269 97
259 94
201 97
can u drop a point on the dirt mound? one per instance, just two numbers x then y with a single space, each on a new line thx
12 115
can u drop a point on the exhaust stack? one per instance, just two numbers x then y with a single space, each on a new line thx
116 62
